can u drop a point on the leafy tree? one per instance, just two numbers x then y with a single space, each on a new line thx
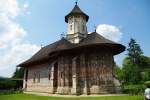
134 51
131 72
145 76
144 63
19 73
118 72
131 69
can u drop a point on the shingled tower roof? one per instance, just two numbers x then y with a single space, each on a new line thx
76 11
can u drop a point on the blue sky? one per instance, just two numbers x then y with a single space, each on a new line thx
42 21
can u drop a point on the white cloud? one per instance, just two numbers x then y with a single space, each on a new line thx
26 8
16 54
13 48
9 8
110 32
11 31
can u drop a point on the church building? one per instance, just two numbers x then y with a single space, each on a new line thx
79 63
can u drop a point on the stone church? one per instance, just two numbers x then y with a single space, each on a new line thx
79 63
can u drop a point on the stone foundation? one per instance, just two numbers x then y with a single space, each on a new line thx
95 90
74 91
63 90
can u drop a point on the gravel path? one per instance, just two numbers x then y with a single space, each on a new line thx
56 95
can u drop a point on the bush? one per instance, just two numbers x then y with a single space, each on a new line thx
6 84
133 89
147 83
2 92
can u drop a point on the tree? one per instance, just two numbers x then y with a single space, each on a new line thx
144 62
130 72
131 65
117 71
19 73
134 51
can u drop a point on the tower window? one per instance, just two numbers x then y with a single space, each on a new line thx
75 19
70 21
70 27
83 28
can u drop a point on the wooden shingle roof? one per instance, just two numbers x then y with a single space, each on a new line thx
44 52
63 44
76 11
97 39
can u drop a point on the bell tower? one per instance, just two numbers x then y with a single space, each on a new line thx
76 20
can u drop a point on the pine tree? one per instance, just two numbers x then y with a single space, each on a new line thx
134 51
131 66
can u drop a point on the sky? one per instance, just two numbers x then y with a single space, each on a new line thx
26 25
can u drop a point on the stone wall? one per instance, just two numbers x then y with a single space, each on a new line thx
38 78
76 73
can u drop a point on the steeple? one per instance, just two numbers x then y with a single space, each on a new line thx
76 2
76 20
76 11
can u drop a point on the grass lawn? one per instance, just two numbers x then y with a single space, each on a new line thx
34 97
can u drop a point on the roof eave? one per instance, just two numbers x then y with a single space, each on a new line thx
71 14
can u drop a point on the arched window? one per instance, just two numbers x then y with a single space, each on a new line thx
39 78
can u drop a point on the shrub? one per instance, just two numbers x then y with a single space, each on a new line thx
6 84
147 83
2 92
133 89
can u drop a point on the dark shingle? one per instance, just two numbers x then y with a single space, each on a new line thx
44 52
63 44
96 39
76 11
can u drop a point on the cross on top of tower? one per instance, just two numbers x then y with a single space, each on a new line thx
76 2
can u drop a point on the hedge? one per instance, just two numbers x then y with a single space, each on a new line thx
134 89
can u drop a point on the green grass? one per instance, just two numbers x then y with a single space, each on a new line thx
34 97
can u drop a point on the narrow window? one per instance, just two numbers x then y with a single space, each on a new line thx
61 74
49 75
39 78
34 77
70 27
83 28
